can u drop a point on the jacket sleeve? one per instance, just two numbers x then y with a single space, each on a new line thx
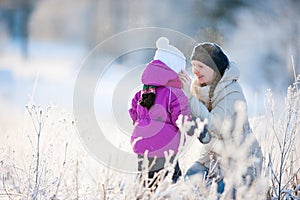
179 105
133 110
224 111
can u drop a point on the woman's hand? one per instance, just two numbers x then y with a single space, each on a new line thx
186 83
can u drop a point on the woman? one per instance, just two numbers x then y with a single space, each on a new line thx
217 96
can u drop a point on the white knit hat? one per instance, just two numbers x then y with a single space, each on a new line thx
169 55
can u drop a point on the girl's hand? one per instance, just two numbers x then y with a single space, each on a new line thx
186 83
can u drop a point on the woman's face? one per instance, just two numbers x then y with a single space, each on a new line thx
203 73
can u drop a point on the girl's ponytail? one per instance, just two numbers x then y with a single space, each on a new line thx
148 96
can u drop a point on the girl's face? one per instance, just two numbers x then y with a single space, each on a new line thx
203 73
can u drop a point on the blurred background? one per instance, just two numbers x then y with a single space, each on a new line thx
43 42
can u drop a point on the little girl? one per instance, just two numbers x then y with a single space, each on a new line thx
155 109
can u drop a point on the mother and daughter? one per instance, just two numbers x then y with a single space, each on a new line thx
169 92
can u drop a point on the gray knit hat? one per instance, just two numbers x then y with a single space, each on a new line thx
211 55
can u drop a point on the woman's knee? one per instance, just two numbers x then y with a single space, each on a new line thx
196 169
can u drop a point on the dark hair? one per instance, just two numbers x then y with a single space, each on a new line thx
147 100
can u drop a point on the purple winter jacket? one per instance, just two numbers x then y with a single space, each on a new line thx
155 129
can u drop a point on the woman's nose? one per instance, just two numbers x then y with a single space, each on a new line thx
196 71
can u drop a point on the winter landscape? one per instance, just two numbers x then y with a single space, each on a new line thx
69 70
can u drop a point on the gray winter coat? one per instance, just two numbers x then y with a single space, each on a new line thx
227 94
228 114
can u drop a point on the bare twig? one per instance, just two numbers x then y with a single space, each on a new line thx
36 115
62 171
77 183
104 191
4 187
295 174
284 151
294 70
272 169
275 132
36 187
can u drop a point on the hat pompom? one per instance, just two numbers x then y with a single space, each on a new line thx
162 42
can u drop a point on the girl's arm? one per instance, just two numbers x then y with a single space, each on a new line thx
133 110
179 105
